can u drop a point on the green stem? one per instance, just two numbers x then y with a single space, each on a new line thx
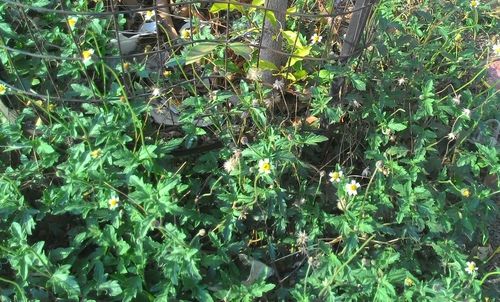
487 275
19 290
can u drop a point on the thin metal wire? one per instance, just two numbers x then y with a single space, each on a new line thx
142 54
138 10
164 49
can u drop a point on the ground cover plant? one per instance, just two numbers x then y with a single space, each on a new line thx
119 184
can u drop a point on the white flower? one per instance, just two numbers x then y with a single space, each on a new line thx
401 81
279 84
265 166
352 188
72 22
335 176
232 163
186 34
456 99
496 49
148 15
474 3
156 92
316 39
3 89
254 74
466 112
302 238
87 55
452 136
471 267
113 202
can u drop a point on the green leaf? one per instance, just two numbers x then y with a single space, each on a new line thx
291 37
266 65
111 288
82 90
398 151
358 83
241 49
17 231
313 139
217 7
198 51
62 282
396 126
299 53
271 17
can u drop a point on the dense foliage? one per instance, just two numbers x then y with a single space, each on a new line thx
387 194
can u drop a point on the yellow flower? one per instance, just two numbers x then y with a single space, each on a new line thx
474 3
186 34
3 89
265 166
409 282
113 202
149 15
465 192
471 267
87 55
335 176
96 153
167 73
72 22
352 188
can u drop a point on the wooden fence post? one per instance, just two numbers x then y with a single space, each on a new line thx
362 10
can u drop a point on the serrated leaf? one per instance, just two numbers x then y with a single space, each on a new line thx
62 282
358 83
111 288
82 90
313 139
396 126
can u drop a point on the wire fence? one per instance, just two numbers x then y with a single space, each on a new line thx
93 51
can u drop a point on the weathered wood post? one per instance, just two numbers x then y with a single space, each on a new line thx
271 37
362 11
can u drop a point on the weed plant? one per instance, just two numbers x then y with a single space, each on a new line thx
387 194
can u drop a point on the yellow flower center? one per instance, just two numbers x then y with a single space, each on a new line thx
87 54
472 266
335 175
113 202
409 282
353 187
465 192
266 166
3 89
185 34
96 153
474 3
149 15
72 22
